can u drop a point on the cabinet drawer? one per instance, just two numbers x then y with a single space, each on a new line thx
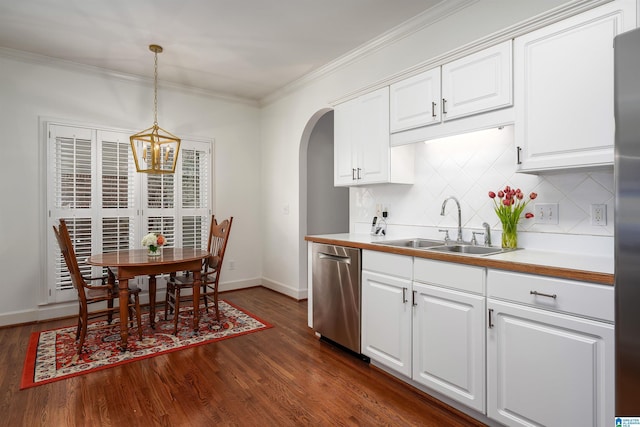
462 277
385 263
584 299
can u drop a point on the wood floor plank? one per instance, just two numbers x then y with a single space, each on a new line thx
282 376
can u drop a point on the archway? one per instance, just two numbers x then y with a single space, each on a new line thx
323 208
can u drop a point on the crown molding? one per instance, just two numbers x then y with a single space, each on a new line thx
103 72
418 22
413 25
542 20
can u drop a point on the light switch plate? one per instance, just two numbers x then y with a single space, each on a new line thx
546 213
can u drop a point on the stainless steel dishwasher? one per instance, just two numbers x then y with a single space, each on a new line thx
336 294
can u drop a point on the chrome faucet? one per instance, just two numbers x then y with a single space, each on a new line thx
444 204
487 234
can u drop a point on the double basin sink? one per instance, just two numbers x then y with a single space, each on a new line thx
440 246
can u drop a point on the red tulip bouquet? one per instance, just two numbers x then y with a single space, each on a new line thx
508 205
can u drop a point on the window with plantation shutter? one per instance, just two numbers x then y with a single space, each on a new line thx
92 183
119 186
195 181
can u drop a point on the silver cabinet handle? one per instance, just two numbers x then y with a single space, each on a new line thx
518 150
444 106
413 298
540 294
433 109
359 177
353 174
404 295
490 318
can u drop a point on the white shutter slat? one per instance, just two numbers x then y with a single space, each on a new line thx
80 233
117 175
160 191
72 172
164 225
195 233
195 178
117 233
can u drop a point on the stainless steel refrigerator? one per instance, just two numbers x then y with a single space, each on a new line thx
627 223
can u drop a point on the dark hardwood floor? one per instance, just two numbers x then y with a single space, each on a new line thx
282 376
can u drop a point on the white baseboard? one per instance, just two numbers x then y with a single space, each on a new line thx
297 294
43 312
240 284
54 311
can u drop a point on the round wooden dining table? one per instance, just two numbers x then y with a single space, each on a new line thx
137 262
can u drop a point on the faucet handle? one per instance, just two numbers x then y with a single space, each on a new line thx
446 235
473 238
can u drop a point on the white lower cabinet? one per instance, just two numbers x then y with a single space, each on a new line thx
422 330
448 330
448 343
386 309
525 350
545 367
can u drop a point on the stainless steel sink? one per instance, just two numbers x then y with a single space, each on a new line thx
416 243
468 249
441 246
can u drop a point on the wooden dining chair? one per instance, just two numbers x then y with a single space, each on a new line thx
210 274
89 294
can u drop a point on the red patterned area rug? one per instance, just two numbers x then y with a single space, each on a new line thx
52 355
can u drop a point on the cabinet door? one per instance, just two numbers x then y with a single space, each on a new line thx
361 140
373 137
564 89
478 82
545 368
449 343
343 143
415 102
386 321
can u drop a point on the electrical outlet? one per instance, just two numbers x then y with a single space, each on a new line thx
546 213
232 264
598 214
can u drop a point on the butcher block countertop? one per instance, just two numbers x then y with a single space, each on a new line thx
595 269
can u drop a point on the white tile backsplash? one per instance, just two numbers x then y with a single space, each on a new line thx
468 167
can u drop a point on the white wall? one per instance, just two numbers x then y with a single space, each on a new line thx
33 88
327 206
283 120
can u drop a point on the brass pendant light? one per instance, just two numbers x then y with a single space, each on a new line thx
155 150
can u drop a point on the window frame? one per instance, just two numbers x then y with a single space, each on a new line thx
137 210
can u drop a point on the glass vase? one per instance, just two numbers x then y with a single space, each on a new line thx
509 236
154 251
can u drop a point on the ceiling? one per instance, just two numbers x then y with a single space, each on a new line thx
247 49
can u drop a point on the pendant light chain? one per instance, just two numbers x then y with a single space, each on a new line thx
155 90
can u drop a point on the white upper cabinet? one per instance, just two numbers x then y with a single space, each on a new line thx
361 139
477 83
564 90
362 154
415 101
